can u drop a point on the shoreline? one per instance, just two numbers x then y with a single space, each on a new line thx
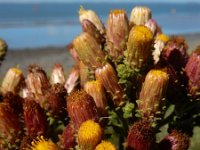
46 57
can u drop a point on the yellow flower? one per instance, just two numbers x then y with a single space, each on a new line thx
42 144
105 145
89 135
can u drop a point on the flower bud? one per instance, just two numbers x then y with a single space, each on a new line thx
89 27
3 49
9 127
192 71
140 15
141 136
97 91
117 33
89 135
92 17
88 50
159 45
105 145
55 101
175 141
68 140
73 79
138 46
42 144
152 25
57 74
81 107
34 118
153 93
37 82
108 78
175 53
12 81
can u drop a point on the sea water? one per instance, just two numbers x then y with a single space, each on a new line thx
33 25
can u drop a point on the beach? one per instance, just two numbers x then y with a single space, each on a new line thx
48 56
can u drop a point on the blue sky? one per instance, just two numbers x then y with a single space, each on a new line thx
28 1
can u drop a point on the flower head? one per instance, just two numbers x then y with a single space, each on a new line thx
141 136
41 144
140 15
89 135
57 74
12 81
3 49
105 145
139 46
117 33
81 107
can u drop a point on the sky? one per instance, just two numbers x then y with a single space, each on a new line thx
95 1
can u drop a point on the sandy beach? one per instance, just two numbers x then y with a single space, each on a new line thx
46 57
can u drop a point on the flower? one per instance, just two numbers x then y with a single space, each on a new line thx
88 50
192 71
97 91
105 145
153 93
3 49
138 46
108 78
41 144
89 135
57 74
34 118
12 81
37 82
141 136
140 15
92 17
152 25
176 140
175 52
117 33
81 107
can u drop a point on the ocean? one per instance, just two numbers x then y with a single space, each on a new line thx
56 24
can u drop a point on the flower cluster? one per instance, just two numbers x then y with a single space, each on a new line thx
130 85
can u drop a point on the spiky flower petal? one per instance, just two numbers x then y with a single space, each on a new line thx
73 80
153 93
175 52
141 136
192 70
108 77
12 81
88 50
42 144
57 74
139 46
97 91
117 33
89 135
37 82
105 145
81 107
176 140
34 118
92 17
140 15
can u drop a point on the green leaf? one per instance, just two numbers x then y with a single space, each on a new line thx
128 110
